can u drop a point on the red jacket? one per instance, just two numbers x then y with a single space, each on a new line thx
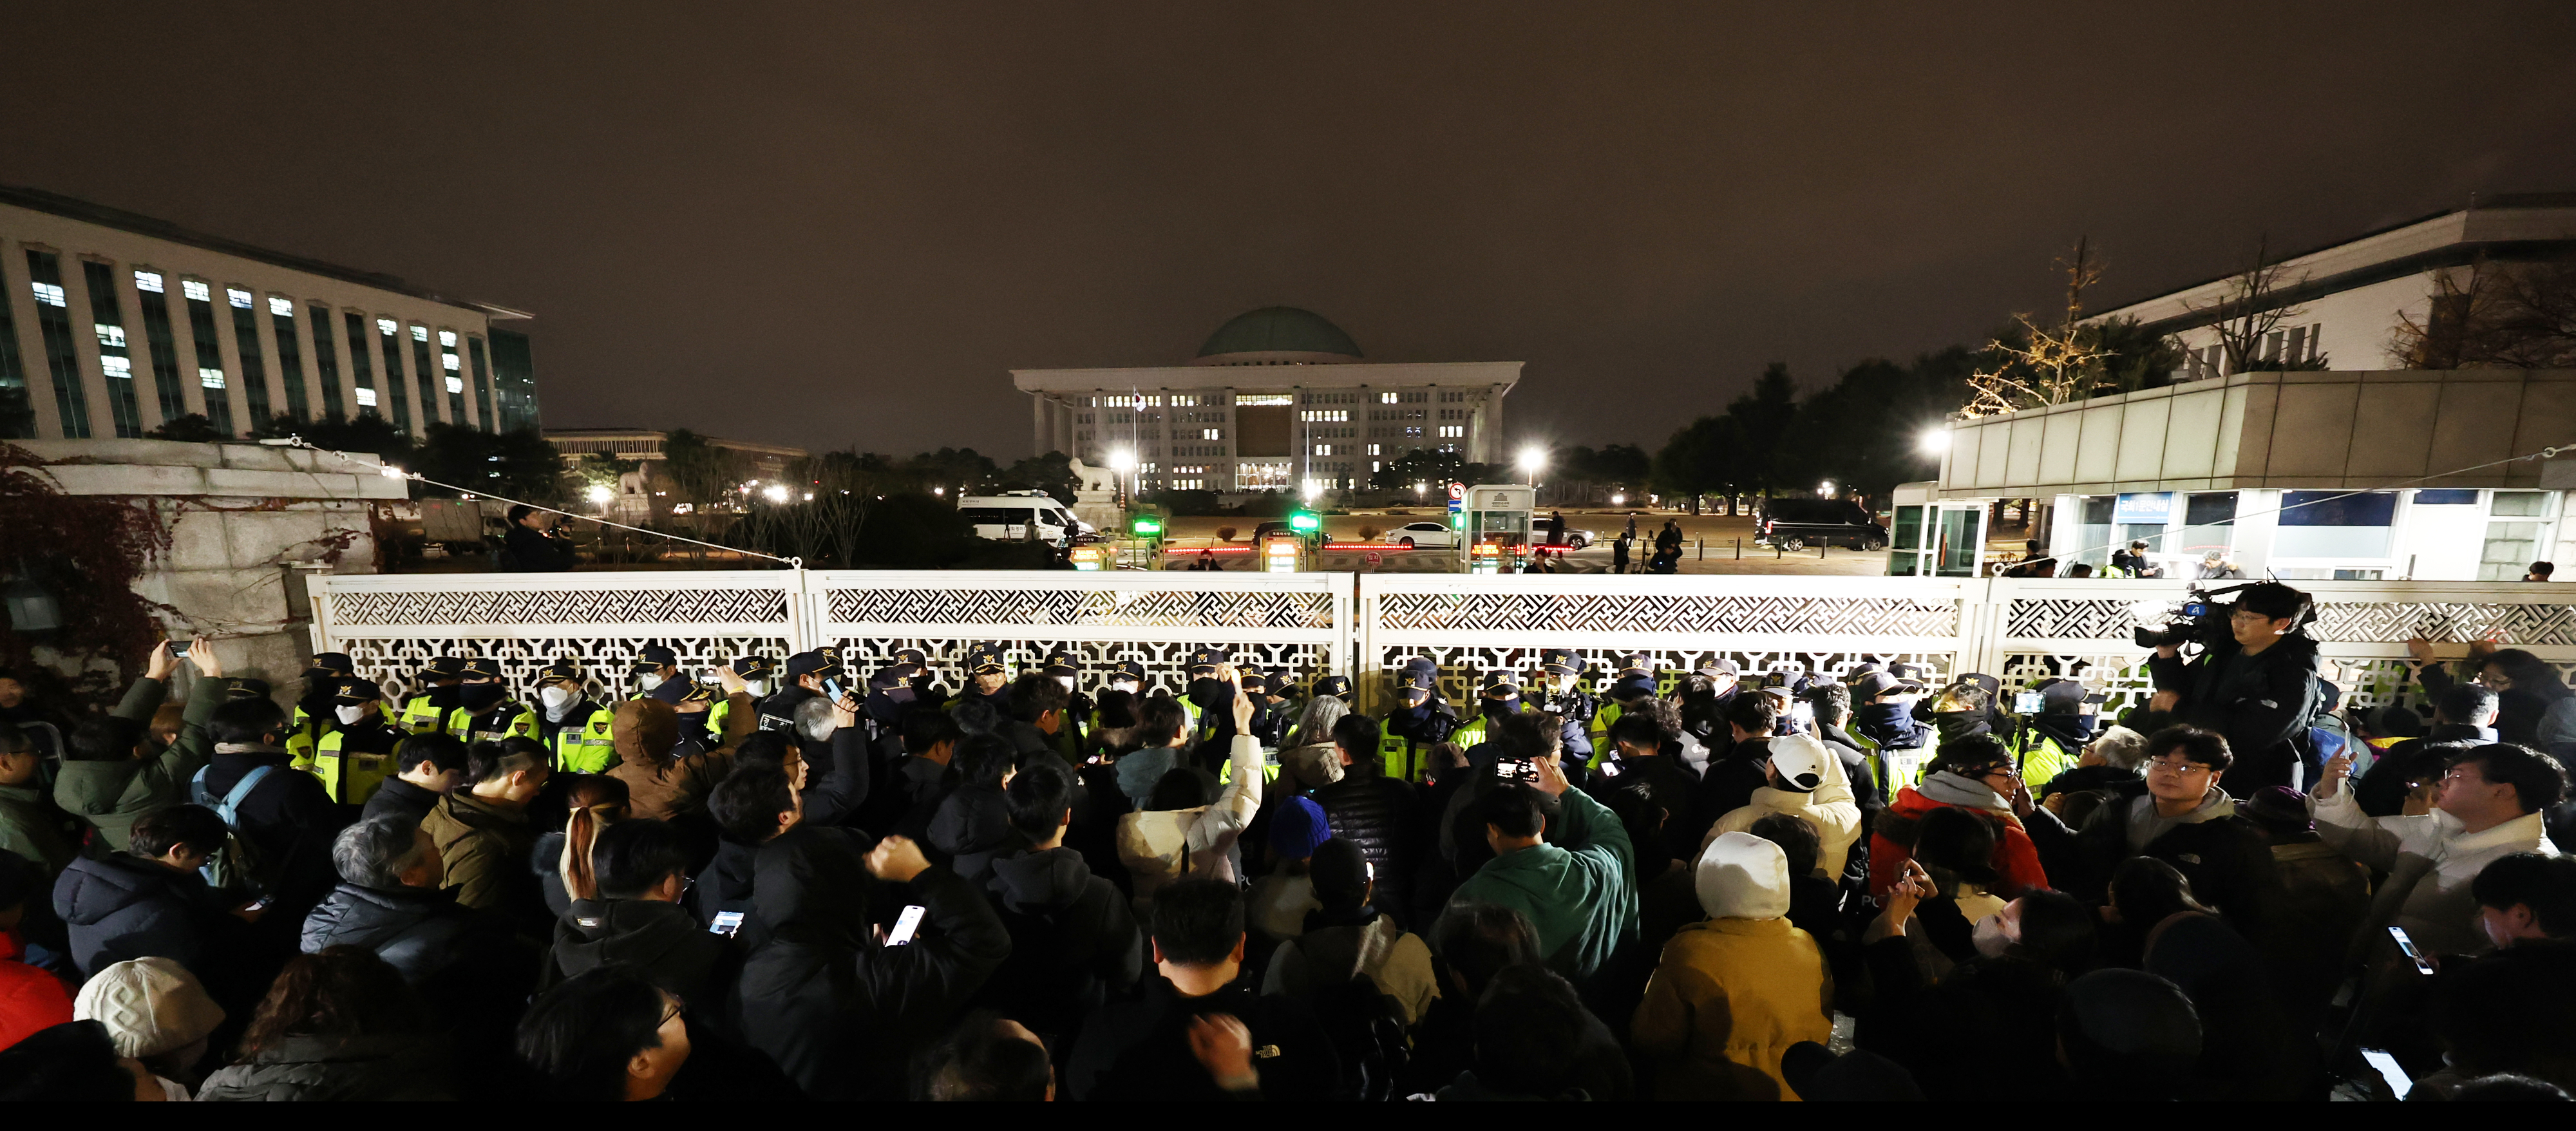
30 999
2016 859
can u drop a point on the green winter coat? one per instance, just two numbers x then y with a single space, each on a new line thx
112 795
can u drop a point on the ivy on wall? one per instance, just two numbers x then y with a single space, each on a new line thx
87 551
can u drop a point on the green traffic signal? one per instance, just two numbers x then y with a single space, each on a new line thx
1146 524
1305 522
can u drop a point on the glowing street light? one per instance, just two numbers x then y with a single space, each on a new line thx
776 493
1618 500
600 495
1825 489
1532 459
1934 441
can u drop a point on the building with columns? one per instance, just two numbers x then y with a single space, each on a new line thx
1277 398
112 324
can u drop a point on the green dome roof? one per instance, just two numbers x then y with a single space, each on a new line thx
1278 330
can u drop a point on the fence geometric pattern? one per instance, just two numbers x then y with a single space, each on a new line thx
1603 612
563 606
1140 608
1166 662
2338 622
395 662
1464 669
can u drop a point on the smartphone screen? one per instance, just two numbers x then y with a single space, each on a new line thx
179 649
2028 702
726 923
904 925
2398 1081
2406 945
260 904
832 687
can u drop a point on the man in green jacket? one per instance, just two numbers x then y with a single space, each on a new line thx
1580 892
109 780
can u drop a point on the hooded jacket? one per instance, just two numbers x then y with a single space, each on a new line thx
972 826
120 907
112 795
289 820
1579 892
659 785
662 938
1891 841
1836 821
2259 702
2227 859
1162 845
1334 949
1889 726
1734 992
310 1068
399 798
840 1014
1074 944
30 827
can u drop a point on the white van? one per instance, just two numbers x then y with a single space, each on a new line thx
1008 517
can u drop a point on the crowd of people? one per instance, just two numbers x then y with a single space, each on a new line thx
1584 880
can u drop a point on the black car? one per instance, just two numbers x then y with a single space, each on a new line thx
1795 524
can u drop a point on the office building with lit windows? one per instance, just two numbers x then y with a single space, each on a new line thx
1278 398
114 324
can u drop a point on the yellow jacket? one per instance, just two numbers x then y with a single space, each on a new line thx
1727 1001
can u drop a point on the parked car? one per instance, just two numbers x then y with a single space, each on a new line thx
1421 534
1579 539
1797 523
1009 517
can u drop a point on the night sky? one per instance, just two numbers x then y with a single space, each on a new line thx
842 224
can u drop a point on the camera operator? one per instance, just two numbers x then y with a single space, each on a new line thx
2257 685
535 545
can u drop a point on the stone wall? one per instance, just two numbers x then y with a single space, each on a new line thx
246 523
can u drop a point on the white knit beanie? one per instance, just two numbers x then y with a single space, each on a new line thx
149 1005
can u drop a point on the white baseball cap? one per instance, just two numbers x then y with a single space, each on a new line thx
1800 761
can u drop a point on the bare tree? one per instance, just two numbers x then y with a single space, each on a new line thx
2505 316
2249 309
2044 365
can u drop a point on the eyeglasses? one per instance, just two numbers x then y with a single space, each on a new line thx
2177 767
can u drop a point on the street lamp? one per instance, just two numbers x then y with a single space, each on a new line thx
600 495
776 493
1825 489
1123 461
1934 441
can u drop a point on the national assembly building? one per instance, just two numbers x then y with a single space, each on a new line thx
1278 398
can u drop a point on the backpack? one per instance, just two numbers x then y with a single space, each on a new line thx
236 865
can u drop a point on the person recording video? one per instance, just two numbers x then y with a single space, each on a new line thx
2256 684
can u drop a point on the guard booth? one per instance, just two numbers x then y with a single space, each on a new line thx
1494 527
1926 538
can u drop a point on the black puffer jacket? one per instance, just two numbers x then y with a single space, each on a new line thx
327 1068
1381 817
838 1012
662 938
119 907
417 931
1074 943
971 829
2261 704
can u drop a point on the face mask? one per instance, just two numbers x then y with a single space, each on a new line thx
648 681
1066 680
349 716
478 697
1126 685
1989 936
1959 724
1209 693
757 688
555 698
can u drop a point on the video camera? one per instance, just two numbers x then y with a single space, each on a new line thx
2199 618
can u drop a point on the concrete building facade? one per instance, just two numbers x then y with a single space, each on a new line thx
114 324
1277 399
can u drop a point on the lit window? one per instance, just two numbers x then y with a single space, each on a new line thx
148 281
1386 398
455 384
1264 400
109 335
366 396
211 378
1373 451
238 297
49 294
447 338
1455 430
196 291
420 333
281 307
1211 433
448 360
117 366
387 326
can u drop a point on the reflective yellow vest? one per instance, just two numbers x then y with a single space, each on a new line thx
352 778
1602 717
460 722
588 748
2043 760
419 715
303 741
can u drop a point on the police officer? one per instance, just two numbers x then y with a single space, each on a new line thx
357 754
1125 675
1559 691
894 692
1420 720
426 711
755 673
484 710
312 716
1065 667
987 678
654 666
1209 697
2052 741
1631 668
1334 686
1500 697
807 675
1272 711
572 724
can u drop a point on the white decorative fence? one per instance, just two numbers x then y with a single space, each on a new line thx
1313 624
